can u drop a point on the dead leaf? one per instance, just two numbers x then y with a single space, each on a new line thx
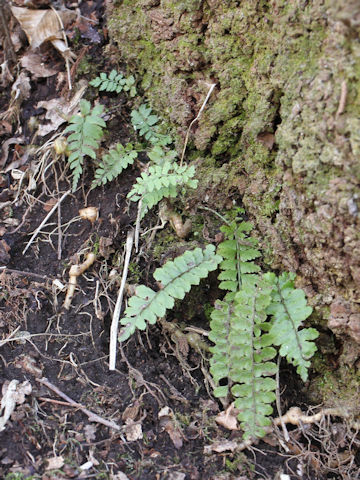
133 431
49 204
4 252
28 364
21 88
5 127
228 418
220 447
42 25
118 476
168 423
132 411
33 62
90 433
55 463
59 110
13 393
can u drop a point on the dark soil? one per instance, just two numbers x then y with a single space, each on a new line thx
49 438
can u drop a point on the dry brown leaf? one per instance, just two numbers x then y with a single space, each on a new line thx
220 447
133 431
58 110
42 25
167 423
49 204
227 419
90 433
5 127
54 463
33 62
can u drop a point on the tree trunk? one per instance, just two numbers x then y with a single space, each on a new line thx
281 130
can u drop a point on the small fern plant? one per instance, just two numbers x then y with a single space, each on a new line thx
176 279
113 163
161 181
115 82
259 313
144 122
86 131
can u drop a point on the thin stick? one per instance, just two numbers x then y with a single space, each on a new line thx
45 220
22 272
117 309
278 406
93 417
137 225
212 86
342 101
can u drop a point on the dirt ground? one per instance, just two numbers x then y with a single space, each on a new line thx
154 416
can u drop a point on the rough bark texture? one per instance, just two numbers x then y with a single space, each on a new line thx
282 128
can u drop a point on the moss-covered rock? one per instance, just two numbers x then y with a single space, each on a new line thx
281 130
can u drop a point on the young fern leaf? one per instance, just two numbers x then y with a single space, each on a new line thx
176 278
113 163
143 121
115 82
242 355
289 310
161 181
87 131
238 251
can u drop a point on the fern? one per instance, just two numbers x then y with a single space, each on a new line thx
242 355
113 163
176 278
161 181
87 128
289 311
258 313
238 252
144 122
115 82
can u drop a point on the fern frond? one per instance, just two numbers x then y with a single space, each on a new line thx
242 355
238 251
115 82
87 131
113 163
161 181
145 123
289 310
176 278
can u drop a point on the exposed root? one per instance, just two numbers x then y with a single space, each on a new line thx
74 273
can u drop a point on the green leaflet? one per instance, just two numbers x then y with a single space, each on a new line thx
115 82
113 163
242 355
289 310
238 251
87 131
161 181
176 278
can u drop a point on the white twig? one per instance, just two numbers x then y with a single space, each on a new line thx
212 86
44 221
137 225
117 310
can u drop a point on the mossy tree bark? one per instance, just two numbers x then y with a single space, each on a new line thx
282 130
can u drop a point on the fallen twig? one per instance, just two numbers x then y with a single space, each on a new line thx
211 88
117 310
93 417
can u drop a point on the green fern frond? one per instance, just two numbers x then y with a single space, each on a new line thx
113 163
242 355
289 310
87 131
115 82
144 122
176 278
238 250
161 181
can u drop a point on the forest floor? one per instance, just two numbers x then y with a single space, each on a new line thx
154 416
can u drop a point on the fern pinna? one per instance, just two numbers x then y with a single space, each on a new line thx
289 311
161 181
258 313
87 131
114 82
113 163
176 278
